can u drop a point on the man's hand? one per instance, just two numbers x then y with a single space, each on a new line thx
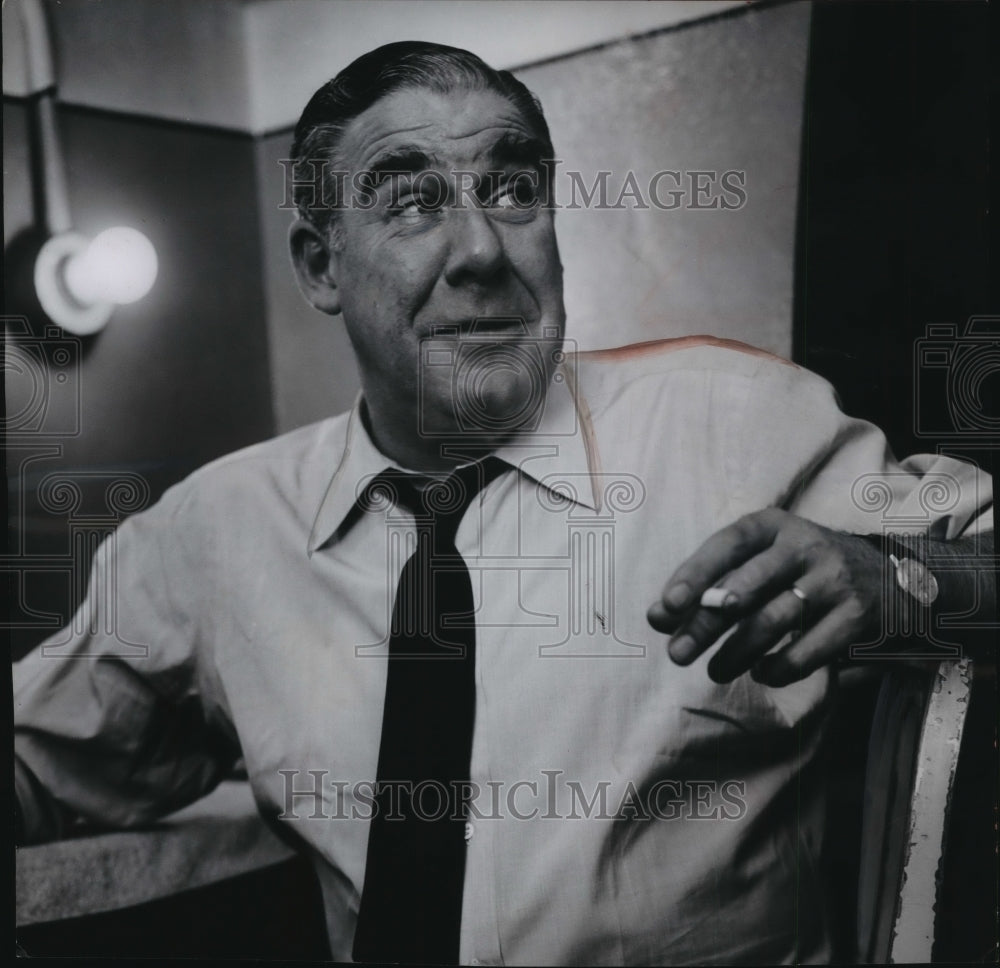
758 560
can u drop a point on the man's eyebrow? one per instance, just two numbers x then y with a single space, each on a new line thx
509 149
518 149
407 159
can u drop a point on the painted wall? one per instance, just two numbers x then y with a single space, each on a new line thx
313 374
698 102
174 380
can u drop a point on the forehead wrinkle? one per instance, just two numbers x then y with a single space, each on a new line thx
507 148
382 144
432 146
372 143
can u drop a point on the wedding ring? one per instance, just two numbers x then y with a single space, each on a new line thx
799 594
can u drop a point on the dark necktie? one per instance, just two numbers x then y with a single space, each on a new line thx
411 905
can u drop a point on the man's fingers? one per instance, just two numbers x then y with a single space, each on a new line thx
760 632
718 555
803 656
752 585
773 573
761 579
754 581
698 633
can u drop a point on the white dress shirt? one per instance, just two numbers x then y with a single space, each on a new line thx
249 610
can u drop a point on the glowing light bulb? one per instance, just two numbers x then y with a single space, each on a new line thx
118 266
80 281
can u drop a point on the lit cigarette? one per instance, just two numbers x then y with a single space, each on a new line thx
719 598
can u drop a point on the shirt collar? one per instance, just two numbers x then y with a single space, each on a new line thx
560 455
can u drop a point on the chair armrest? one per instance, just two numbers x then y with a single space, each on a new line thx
218 837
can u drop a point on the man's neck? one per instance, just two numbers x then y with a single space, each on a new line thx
434 456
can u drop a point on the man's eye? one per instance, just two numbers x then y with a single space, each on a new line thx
519 194
414 206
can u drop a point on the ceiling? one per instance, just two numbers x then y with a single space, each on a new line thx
250 65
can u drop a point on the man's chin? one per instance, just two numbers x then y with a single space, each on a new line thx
500 411
483 424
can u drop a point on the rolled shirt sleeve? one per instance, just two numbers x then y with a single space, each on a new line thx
111 723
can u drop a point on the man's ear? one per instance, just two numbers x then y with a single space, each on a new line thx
314 263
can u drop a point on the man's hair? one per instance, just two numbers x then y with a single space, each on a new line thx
383 71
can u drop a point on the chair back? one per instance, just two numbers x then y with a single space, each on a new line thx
913 752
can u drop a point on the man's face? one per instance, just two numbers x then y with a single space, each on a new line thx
446 236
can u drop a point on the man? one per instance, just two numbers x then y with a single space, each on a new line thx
424 623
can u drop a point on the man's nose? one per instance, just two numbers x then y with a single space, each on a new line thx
476 253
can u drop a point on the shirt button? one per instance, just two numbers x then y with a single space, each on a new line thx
469 831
